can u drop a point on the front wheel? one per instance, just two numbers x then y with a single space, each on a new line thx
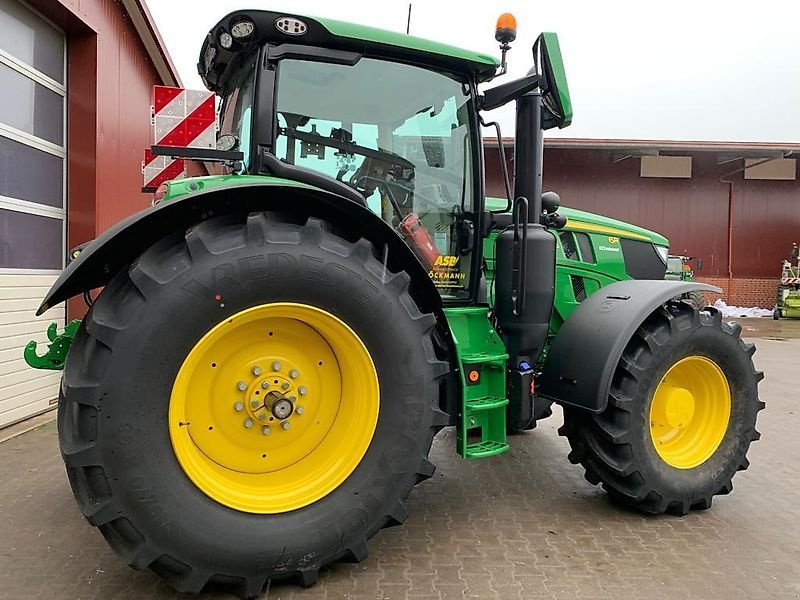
680 417
250 401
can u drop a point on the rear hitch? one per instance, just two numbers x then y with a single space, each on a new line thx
57 349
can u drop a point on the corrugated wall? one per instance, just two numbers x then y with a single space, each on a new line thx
110 82
125 80
766 220
692 213
110 78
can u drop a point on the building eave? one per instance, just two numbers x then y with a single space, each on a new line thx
148 32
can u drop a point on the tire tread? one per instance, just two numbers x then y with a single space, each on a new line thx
106 320
602 446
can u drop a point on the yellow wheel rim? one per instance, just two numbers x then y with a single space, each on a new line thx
274 408
690 412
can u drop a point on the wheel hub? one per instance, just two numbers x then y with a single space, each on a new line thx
280 406
274 407
260 393
689 412
680 407
272 396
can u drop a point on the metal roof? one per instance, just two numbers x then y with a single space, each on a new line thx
754 149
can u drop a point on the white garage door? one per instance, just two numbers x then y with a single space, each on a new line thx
32 200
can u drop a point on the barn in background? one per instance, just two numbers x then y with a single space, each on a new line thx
733 206
74 122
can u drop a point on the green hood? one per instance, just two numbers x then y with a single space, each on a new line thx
580 220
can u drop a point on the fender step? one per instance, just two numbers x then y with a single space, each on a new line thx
481 425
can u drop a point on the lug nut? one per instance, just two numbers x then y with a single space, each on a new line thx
255 404
294 374
285 385
264 385
242 386
286 425
238 407
299 410
256 370
248 423
265 430
262 416
276 366
303 390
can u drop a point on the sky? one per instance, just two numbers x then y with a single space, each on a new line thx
673 69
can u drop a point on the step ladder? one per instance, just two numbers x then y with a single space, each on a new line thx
481 426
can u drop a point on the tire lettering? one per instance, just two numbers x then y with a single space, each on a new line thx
224 276
197 289
147 499
282 265
313 269
253 268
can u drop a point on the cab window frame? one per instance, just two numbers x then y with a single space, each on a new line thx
233 92
265 136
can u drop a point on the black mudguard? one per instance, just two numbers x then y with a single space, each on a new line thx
584 354
120 245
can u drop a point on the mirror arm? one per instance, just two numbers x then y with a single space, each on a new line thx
203 154
502 94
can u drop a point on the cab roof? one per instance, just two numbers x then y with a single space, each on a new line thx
216 64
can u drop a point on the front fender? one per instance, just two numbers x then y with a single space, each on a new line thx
120 245
584 354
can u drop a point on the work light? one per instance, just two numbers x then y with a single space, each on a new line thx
242 29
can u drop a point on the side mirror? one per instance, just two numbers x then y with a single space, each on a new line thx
552 81
548 75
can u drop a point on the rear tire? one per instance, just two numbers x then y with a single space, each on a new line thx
616 447
118 379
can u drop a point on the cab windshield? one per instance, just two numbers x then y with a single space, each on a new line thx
401 136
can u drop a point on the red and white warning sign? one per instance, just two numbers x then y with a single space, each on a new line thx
181 119
184 118
158 169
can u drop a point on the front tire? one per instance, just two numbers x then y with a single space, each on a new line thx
131 392
695 298
680 417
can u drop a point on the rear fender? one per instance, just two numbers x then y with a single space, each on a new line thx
119 246
584 354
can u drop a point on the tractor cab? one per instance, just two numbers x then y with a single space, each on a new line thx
389 121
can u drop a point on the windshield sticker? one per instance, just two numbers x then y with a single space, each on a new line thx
446 272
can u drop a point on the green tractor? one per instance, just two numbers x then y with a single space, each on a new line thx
255 391
787 298
679 268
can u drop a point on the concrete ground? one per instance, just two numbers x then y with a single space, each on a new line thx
522 525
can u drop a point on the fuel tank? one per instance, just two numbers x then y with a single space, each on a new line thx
524 288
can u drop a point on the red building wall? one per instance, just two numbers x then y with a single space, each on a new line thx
692 213
109 80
